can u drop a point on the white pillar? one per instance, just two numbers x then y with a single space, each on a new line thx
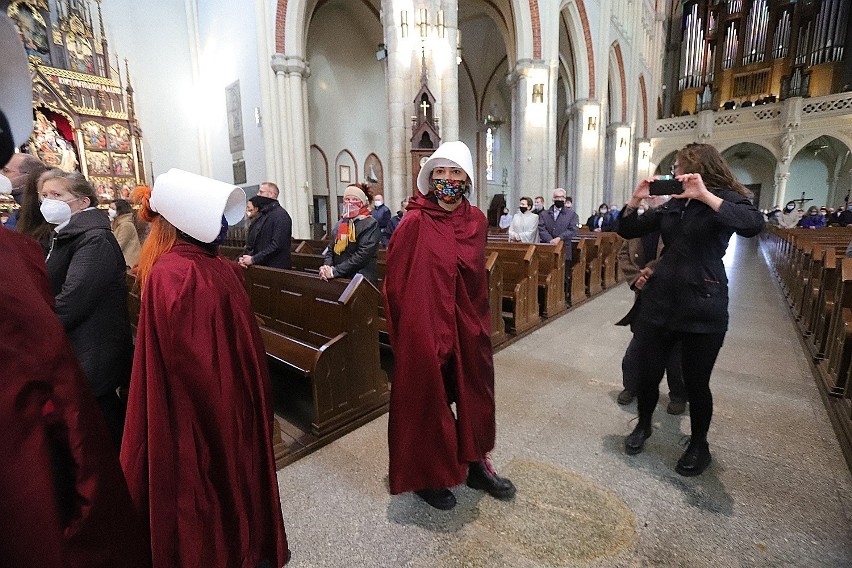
587 138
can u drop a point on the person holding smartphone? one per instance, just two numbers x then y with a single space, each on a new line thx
686 298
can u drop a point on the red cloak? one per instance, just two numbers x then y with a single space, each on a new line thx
46 402
197 448
436 295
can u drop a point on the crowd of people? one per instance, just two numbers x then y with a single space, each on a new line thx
792 216
159 453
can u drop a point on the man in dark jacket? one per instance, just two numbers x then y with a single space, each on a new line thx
397 219
268 241
559 223
382 215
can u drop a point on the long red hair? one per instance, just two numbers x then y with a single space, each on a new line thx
160 240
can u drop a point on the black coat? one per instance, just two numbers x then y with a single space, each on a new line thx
382 215
688 290
564 227
87 274
358 257
269 237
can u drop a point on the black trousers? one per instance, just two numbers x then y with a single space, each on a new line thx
654 345
631 370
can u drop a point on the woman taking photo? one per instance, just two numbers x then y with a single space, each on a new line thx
356 239
686 297
86 270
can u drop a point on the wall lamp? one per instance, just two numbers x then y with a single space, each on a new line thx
441 28
538 93
424 23
592 123
403 22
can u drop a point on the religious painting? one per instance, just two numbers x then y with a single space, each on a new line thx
98 163
80 56
103 188
94 135
122 165
33 30
50 146
124 188
344 174
118 137
374 174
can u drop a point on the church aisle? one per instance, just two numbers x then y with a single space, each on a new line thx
777 494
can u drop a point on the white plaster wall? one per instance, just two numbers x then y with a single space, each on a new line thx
153 37
228 52
347 98
809 175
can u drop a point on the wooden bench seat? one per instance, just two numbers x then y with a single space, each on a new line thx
520 285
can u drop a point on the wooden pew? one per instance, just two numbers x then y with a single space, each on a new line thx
520 285
836 364
231 252
593 263
578 271
551 274
824 304
494 268
326 333
610 245
307 262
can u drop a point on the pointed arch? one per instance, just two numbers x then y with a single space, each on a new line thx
622 82
643 105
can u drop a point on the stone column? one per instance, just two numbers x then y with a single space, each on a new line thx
533 128
782 174
290 73
587 138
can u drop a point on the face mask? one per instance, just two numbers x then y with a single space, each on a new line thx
790 207
222 233
640 211
538 207
112 214
449 190
377 203
559 203
523 209
5 185
604 211
55 211
823 213
349 210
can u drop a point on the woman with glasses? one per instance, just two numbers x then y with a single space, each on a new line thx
87 274
685 300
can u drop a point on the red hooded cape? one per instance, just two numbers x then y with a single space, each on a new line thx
197 448
46 404
436 295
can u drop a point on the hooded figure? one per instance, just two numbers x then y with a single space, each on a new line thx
436 295
197 449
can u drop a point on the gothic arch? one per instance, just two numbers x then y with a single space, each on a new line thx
617 85
574 23
643 105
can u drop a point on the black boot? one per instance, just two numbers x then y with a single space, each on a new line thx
635 441
695 459
439 498
480 475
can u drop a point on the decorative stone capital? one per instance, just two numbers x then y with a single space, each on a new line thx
290 65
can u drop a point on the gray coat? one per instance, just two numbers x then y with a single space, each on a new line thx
564 226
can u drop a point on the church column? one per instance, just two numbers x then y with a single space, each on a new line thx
533 127
268 96
290 73
399 43
444 60
618 155
587 167
782 174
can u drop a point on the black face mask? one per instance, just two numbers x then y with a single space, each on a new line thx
524 209
559 203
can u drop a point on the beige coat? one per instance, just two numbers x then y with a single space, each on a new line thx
127 237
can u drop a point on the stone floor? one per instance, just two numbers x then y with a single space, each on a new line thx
777 494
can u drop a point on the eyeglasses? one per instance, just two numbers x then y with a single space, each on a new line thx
42 198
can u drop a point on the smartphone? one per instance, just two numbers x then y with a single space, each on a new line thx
665 185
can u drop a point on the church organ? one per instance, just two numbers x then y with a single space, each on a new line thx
731 52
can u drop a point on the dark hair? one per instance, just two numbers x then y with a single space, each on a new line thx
30 220
539 197
706 160
74 182
122 207
260 201
528 200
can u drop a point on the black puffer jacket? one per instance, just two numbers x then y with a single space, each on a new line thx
87 273
358 257
688 290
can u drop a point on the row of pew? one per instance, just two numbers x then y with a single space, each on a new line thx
311 328
816 277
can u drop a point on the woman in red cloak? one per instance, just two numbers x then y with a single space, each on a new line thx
197 448
441 424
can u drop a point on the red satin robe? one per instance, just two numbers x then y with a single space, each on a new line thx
45 400
436 295
197 447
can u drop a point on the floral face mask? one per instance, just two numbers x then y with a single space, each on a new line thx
449 190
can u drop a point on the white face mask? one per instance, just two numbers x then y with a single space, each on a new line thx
112 214
377 203
55 211
640 211
5 185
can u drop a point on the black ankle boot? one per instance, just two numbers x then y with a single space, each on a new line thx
635 441
695 459
439 498
480 475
